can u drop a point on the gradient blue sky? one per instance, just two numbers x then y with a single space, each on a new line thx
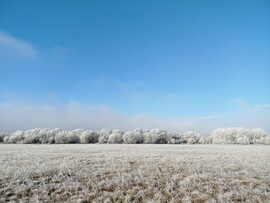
124 64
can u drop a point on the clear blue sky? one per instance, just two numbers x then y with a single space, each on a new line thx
161 59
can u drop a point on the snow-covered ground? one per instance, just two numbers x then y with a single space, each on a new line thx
134 173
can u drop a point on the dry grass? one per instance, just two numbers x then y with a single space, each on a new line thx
134 173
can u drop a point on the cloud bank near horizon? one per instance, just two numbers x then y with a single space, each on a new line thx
79 115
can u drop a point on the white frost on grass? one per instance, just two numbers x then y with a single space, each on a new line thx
134 173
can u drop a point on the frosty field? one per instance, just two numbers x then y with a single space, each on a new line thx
134 173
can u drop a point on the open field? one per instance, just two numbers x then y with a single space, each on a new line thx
134 173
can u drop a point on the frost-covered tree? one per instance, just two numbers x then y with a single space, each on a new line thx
219 136
191 140
40 136
110 136
31 136
202 140
208 140
267 140
15 137
191 137
175 138
88 136
68 137
257 136
74 136
242 136
47 135
243 140
156 136
116 137
3 134
104 135
238 136
61 137
134 137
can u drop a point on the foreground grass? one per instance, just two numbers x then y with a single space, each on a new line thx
134 173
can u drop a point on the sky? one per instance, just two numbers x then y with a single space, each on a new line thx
176 65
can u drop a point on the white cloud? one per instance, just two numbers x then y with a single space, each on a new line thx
77 115
11 46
